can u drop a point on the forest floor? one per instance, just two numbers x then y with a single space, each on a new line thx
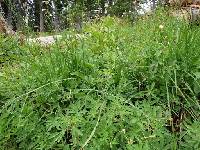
123 86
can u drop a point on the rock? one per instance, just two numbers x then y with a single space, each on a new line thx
47 40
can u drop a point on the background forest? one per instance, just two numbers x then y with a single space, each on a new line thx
38 15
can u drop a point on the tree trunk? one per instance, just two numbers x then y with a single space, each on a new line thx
18 14
37 14
56 22
7 9
26 17
4 27
153 4
41 17
103 7
1 10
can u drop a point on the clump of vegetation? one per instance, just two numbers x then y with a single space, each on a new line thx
9 49
118 86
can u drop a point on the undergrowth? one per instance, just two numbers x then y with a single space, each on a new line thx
117 86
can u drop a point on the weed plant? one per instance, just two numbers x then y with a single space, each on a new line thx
117 86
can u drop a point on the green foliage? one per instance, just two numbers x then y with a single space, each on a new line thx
9 49
191 136
116 86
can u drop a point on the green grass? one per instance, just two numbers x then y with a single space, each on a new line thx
120 87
